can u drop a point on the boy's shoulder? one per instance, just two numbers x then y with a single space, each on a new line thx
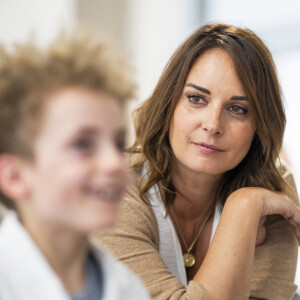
11 233
24 272
120 281
3 211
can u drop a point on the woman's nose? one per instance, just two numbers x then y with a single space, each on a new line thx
212 124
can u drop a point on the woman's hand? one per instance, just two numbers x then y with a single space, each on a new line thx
271 203
280 204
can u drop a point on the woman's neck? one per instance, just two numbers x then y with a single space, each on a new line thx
65 251
195 192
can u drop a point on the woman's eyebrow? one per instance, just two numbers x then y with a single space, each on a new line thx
206 91
242 98
197 87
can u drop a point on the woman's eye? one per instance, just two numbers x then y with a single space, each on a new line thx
196 99
238 110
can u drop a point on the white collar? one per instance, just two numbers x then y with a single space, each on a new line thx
25 274
169 245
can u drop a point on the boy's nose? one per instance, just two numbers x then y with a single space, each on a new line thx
112 161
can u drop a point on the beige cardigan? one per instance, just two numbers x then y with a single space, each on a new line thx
135 241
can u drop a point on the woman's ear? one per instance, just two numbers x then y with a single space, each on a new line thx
13 180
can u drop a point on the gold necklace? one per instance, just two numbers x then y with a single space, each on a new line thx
188 257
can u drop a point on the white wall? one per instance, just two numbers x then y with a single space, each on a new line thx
19 18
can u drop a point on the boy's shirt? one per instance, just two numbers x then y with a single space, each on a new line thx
3 211
93 286
26 274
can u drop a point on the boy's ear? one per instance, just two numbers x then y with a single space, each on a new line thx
13 181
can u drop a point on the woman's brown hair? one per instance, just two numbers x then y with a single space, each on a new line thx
257 73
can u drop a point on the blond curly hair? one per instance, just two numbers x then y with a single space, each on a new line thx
29 74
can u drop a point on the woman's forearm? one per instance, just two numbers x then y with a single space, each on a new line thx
226 270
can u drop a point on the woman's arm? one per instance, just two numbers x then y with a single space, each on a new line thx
227 268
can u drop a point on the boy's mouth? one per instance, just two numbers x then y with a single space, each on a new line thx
109 194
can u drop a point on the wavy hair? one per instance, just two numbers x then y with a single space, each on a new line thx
257 73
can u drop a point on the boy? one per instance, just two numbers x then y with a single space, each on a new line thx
62 171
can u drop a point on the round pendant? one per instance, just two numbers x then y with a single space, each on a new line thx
189 259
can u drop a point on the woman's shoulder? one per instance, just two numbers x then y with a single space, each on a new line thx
136 217
133 208
286 173
132 193
283 168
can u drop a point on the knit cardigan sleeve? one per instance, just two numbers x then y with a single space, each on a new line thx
135 241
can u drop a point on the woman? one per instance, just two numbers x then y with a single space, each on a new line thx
209 138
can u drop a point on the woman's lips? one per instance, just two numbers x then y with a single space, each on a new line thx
207 148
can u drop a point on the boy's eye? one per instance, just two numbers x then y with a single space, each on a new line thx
238 109
120 145
82 144
196 99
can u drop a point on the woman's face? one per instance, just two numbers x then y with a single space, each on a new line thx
211 130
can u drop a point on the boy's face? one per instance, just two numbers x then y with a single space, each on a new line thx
79 173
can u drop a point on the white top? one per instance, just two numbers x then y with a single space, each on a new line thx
26 275
169 245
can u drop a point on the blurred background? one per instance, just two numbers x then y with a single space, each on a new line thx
149 31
